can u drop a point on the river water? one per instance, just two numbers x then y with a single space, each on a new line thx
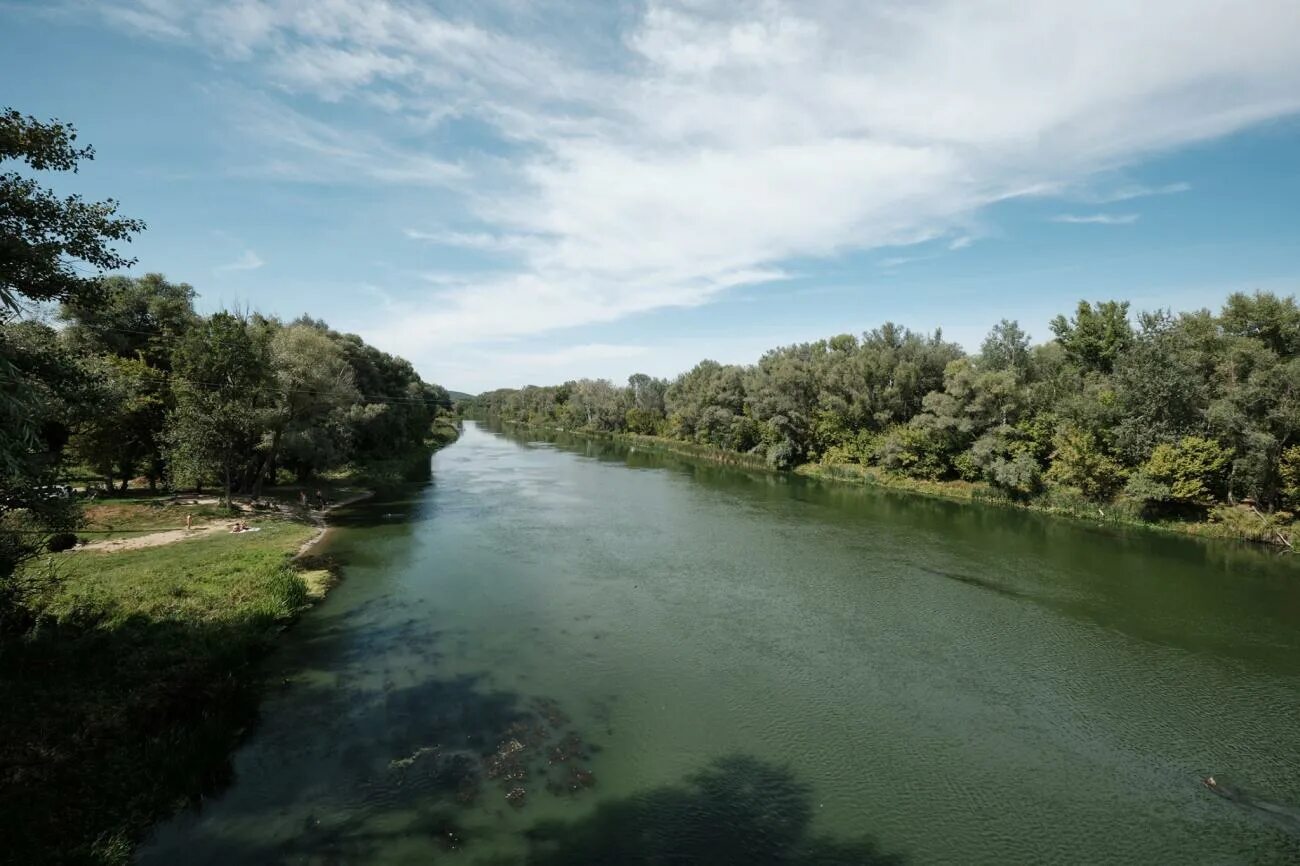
678 662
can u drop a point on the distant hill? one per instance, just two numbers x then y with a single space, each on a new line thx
457 396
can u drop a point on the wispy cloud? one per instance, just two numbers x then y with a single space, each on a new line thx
699 146
248 261
485 241
1101 219
1132 191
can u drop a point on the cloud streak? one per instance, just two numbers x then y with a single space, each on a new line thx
248 261
1100 219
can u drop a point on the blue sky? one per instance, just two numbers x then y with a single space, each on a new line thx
509 192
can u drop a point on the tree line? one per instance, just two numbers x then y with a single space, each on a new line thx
121 378
1173 414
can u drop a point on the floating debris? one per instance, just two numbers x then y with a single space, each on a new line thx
515 797
403 763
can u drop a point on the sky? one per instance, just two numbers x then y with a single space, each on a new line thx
510 192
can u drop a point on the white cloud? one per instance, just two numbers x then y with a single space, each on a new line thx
485 241
284 144
710 143
248 261
1101 219
1132 191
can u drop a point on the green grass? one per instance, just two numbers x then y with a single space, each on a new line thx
119 518
127 698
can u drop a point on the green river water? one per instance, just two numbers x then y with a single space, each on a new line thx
679 662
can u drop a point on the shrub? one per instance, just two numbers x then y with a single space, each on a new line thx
912 450
1080 462
61 541
1019 475
1288 469
1192 469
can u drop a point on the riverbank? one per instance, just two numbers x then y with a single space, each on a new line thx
1240 523
125 701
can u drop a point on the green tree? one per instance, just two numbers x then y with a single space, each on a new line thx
132 318
1097 336
1006 348
1191 470
1080 461
223 397
1289 471
120 435
310 378
51 249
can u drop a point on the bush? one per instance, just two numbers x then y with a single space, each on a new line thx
1080 462
61 541
913 451
1288 469
1192 469
1019 475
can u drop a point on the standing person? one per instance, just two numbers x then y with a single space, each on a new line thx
302 498
189 522
320 499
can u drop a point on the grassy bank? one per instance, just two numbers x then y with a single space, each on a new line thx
125 701
1230 523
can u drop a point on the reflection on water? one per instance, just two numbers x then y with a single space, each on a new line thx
567 651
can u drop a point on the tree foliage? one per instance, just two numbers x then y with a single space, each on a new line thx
1181 410
52 248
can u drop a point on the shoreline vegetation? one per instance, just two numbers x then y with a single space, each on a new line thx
1067 507
126 700
129 670
1185 422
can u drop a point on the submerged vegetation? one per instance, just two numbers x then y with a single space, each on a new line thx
1191 419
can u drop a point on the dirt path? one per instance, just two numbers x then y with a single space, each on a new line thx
171 536
153 539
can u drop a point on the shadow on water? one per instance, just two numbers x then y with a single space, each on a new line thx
353 762
1284 817
403 506
738 810
972 580
351 766
149 713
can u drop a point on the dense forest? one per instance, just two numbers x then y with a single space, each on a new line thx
109 379
1173 415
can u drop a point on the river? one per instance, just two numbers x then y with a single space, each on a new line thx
679 662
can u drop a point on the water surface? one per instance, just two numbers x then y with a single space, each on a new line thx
704 664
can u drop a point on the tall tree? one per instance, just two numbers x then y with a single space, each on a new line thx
51 249
223 396
310 378
1096 336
